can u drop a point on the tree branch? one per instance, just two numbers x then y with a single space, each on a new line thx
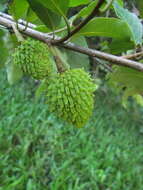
82 24
87 51
20 21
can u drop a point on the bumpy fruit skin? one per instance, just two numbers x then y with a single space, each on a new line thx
70 96
34 59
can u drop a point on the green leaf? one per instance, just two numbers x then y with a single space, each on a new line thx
108 27
42 28
75 3
126 80
133 22
120 2
21 9
49 18
118 46
57 6
87 10
18 8
31 16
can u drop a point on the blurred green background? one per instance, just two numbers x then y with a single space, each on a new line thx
39 152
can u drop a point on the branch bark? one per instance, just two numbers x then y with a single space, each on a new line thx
87 51
20 21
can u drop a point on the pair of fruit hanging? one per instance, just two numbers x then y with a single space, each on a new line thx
69 92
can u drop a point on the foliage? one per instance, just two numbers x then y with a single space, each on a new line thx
39 152
121 29
126 80
107 27
133 22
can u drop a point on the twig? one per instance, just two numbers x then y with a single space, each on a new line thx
59 30
90 52
133 56
99 62
82 24
17 33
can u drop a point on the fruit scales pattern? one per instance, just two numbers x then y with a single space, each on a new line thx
34 58
70 96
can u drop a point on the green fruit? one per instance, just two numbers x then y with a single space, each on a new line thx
70 96
34 59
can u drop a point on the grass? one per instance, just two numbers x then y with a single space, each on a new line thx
38 152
